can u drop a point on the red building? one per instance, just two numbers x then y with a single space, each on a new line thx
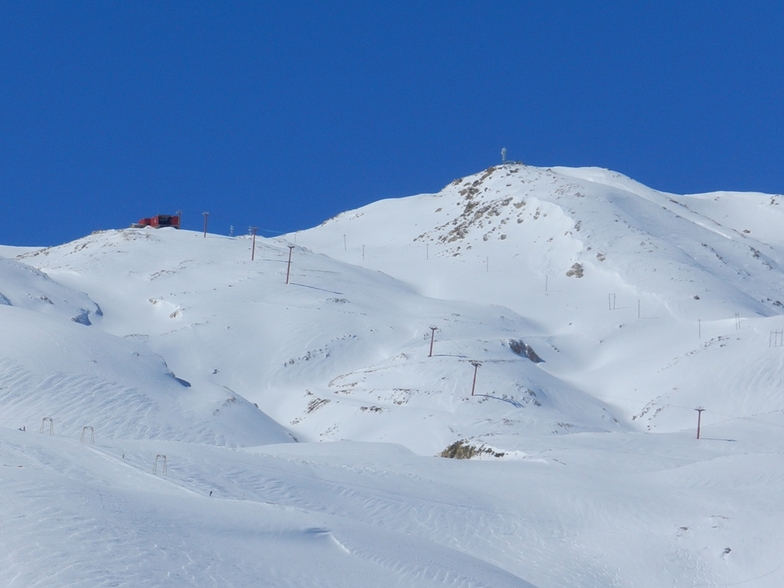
158 221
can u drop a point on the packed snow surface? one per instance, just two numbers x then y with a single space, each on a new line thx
175 413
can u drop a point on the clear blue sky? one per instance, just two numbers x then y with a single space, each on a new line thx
282 114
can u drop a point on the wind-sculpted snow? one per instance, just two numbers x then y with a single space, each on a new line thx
25 287
337 514
80 378
168 531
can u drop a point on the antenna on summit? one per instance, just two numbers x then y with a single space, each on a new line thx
503 155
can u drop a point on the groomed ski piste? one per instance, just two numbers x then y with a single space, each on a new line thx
176 414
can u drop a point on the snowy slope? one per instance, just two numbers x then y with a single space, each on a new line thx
637 290
600 312
339 353
55 365
586 510
27 288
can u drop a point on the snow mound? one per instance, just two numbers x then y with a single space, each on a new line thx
61 377
25 287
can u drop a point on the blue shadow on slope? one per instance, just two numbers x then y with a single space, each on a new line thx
511 401
315 288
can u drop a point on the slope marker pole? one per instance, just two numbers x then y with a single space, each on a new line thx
253 245
699 418
92 434
432 338
206 214
288 267
476 365
165 464
51 425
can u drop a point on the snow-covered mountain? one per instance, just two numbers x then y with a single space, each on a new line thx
633 292
589 315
